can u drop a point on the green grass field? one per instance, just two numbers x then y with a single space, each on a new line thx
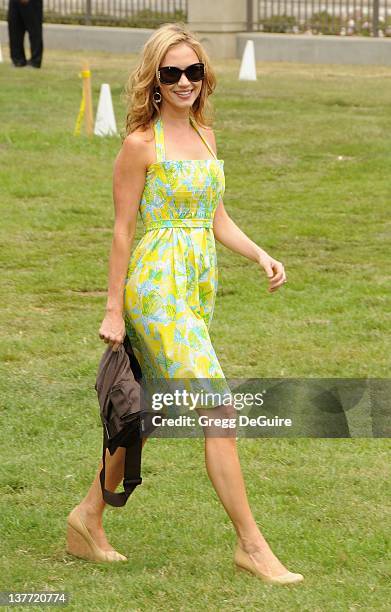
307 153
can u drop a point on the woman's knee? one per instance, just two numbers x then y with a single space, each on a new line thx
219 422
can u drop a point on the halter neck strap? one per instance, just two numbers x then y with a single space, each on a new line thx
197 129
159 140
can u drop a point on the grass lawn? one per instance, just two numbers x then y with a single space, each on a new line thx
307 153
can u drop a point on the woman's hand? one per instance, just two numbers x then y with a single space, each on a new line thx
274 269
112 330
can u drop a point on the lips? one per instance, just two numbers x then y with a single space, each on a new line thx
184 94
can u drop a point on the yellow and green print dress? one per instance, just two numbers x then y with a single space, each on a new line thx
172 277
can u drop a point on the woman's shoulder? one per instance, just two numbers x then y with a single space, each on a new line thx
140 142
209 134
140 136
210 137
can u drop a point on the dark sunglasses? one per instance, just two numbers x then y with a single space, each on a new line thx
168 75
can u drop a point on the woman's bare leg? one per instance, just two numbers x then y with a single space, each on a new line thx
92 506
224 471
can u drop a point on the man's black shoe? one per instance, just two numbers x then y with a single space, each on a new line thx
19 64
31 65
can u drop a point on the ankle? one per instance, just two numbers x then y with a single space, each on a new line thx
252 542
94 512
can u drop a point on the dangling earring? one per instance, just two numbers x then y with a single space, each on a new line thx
157 96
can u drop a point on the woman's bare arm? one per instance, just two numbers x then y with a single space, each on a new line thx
231 236
128 185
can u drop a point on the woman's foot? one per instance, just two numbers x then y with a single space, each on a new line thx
93 522
86 538
262 556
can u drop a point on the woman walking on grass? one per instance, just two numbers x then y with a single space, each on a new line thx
163 295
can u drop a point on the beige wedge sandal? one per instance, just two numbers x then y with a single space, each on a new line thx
244 562
81 544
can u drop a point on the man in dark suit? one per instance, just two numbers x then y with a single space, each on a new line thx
25 15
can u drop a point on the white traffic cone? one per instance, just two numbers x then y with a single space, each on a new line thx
248 71
105 124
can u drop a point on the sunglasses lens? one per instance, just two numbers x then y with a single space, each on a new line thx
195 72
169 75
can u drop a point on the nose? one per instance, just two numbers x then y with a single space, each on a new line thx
184 81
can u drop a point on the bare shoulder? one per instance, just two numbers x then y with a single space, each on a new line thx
138 146
140 135
209 134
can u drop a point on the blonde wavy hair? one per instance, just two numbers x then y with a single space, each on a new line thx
141 107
